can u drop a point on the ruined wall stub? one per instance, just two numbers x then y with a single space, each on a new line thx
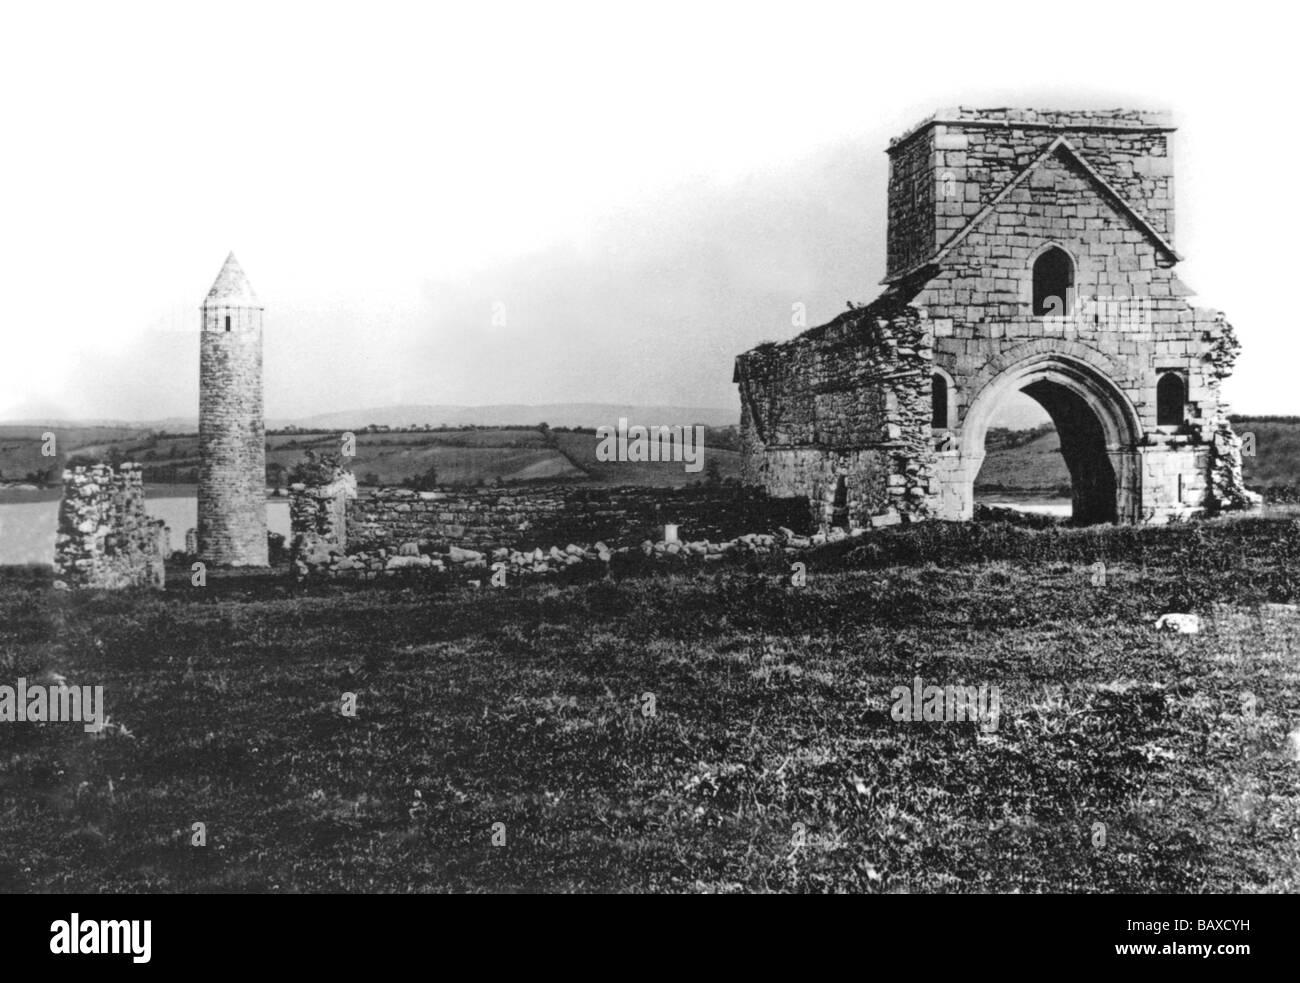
106 539
1035 248
318 514
840 416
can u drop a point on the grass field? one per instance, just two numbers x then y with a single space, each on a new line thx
1023 462
1276 461
770 763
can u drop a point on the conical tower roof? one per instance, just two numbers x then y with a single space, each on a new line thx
231 288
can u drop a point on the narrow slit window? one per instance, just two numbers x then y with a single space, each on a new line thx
227 322
840 505
938 401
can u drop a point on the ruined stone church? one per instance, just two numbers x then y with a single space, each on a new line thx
1028 251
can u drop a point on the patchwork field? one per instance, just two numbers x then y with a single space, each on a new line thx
457 457
678 728
1018 462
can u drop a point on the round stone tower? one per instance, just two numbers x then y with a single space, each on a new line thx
232 433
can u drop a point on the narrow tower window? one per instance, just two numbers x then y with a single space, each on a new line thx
938 401
1171 397
227 322
1053 283
840 505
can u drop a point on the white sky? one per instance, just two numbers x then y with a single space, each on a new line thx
646 191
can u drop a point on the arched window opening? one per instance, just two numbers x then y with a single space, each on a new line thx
1053 283
938 401
1171 399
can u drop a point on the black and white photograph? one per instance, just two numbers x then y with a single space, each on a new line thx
704 448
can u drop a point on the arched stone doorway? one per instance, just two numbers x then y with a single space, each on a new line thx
1096 423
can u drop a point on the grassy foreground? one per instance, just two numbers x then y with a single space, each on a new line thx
1124 760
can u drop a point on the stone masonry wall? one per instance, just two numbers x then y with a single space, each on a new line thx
945 169
911 229
847 403
1128 314
105 537
232 438
535 516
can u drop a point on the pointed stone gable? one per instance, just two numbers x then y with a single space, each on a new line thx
1046 174
985 269
231 288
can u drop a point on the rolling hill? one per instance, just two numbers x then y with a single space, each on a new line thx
411 416
1029 462
1018 462
456 456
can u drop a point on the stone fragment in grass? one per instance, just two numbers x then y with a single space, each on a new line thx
1183 624
1293 744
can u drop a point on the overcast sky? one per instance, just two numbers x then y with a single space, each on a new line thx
639 195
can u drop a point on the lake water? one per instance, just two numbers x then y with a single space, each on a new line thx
1062 508
27 527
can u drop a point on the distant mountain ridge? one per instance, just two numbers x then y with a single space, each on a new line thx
504 414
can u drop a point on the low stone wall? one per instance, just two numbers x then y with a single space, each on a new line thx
556 515
338 533
105 537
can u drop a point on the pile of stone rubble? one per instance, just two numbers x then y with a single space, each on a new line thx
333 563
